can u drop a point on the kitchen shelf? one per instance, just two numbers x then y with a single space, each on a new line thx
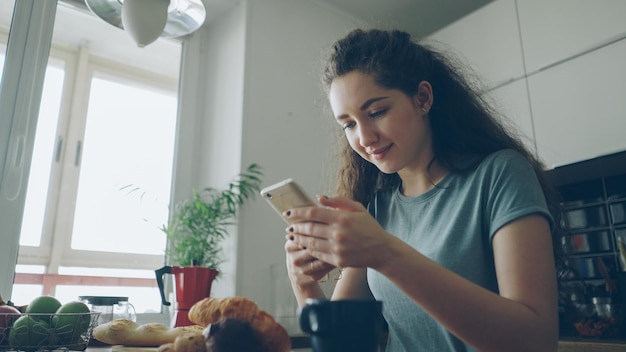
593 216
593 200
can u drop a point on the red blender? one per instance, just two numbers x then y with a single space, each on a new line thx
192 284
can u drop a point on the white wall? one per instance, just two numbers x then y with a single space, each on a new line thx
285 129
211 106
251 94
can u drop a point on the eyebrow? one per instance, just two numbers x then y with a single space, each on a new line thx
365 105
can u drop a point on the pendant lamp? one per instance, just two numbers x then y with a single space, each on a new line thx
147 20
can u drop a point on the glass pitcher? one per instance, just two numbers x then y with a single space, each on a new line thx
110 308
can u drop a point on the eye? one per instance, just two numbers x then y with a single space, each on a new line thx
377 113
348 126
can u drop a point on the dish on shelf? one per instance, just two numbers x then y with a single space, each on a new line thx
600 320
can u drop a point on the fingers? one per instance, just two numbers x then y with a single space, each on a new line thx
324 214
291 246
319 268
315 269
316 247
339 233
340 203
303 248
304 267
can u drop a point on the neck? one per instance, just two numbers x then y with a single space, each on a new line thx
417 183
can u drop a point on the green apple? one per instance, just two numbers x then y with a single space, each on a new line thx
71 321
42 307
29 334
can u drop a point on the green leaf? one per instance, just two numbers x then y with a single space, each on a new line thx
199 224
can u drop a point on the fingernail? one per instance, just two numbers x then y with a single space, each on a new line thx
290 229
288 213
292 237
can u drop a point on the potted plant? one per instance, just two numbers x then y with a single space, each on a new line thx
195 231
199 224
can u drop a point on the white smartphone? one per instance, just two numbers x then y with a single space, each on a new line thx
286 195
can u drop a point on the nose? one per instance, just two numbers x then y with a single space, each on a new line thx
367 135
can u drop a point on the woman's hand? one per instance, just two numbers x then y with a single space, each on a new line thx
303 268
342 234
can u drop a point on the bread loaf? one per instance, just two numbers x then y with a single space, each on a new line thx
128 333
220 312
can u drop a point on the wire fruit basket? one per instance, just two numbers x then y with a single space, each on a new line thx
31 332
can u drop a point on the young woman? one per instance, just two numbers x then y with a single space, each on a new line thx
441 212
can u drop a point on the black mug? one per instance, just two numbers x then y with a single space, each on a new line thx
344 325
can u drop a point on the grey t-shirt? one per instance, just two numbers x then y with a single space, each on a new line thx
452 224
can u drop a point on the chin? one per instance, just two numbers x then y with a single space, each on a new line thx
386 169
388 172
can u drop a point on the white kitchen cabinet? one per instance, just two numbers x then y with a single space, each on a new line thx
553 30
511 100
579 107
572 59
488 40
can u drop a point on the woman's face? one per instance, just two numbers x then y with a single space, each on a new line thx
385 126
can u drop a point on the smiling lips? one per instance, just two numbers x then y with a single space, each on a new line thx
379 154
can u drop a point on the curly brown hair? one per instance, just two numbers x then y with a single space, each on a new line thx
462 122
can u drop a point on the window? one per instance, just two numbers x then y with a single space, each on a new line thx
100 175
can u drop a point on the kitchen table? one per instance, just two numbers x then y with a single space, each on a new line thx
153 349
588 345
300 343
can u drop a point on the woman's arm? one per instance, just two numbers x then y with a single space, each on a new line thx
303 272
523 317
352 285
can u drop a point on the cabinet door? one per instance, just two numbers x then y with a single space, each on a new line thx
512 101
553 30
487 40
578 107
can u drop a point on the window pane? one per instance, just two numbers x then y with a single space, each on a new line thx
129 141
23 294
43 154
31 269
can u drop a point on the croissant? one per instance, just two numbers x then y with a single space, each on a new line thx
210 310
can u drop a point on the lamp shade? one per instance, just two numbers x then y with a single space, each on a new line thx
183 16
144 20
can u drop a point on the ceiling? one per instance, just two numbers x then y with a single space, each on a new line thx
419 17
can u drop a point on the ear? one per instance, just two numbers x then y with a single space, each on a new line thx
424 96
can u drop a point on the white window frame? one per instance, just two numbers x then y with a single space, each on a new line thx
80 66
20 95
55 249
